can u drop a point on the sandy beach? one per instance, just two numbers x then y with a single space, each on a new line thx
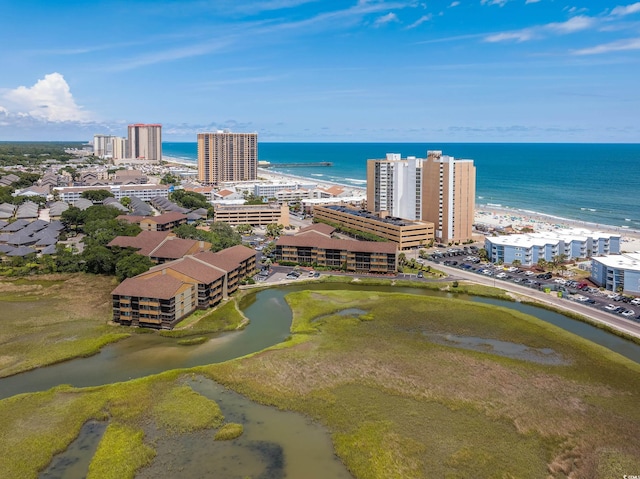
488 215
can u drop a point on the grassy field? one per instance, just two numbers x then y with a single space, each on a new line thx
51 319
401 405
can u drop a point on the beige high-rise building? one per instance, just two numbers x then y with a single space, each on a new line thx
439 189
145 142
448 195
225 156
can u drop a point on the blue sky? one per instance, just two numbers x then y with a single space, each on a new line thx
322 70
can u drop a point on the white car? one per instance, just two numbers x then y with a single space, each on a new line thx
611 307
628 313
529 273
635 301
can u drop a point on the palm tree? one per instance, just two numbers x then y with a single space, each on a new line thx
558 260
402 259
516 263
542 264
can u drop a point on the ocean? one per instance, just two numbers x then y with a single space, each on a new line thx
595 183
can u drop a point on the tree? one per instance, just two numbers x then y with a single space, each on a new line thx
191 232
244 229
402 259
274 230
72 217
132 265
251 199
102 231
223 236
516 262
542 264
557 261
483 254
126 201
189 199
97 196
170 179
99 260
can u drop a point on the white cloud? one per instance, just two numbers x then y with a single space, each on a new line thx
626 10
531 1
500 3
454 4
574 24
519 36
385 19
49 99
420 21
618 46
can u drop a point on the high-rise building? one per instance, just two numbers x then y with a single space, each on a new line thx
448 195
439 189
225 156
119 148
145 142
103 145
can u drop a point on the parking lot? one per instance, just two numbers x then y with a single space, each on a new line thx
580 291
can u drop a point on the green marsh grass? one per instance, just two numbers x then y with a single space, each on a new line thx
36 426
229 432
46 321
192 341
400 405
225 317
120 454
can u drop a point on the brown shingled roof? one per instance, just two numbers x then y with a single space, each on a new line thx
202 273
145 242
174 247
165 218
315 239
321 228
227 259
162 287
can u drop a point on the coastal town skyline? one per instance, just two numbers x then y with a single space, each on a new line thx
304 70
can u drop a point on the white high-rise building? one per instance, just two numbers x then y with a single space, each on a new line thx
103 146
438 189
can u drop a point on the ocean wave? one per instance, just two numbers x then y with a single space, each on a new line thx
359 182
317 174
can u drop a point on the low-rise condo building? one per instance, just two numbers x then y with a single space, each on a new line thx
617 272
406 234
529 248
146 192
165 294
315 247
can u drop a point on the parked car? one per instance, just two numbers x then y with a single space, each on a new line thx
420 274
628 313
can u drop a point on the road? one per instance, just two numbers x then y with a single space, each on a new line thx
616 322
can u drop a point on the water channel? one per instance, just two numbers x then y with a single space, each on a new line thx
270 321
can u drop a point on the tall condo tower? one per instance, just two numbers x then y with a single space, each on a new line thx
438 189
225 156
448 195
145 142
